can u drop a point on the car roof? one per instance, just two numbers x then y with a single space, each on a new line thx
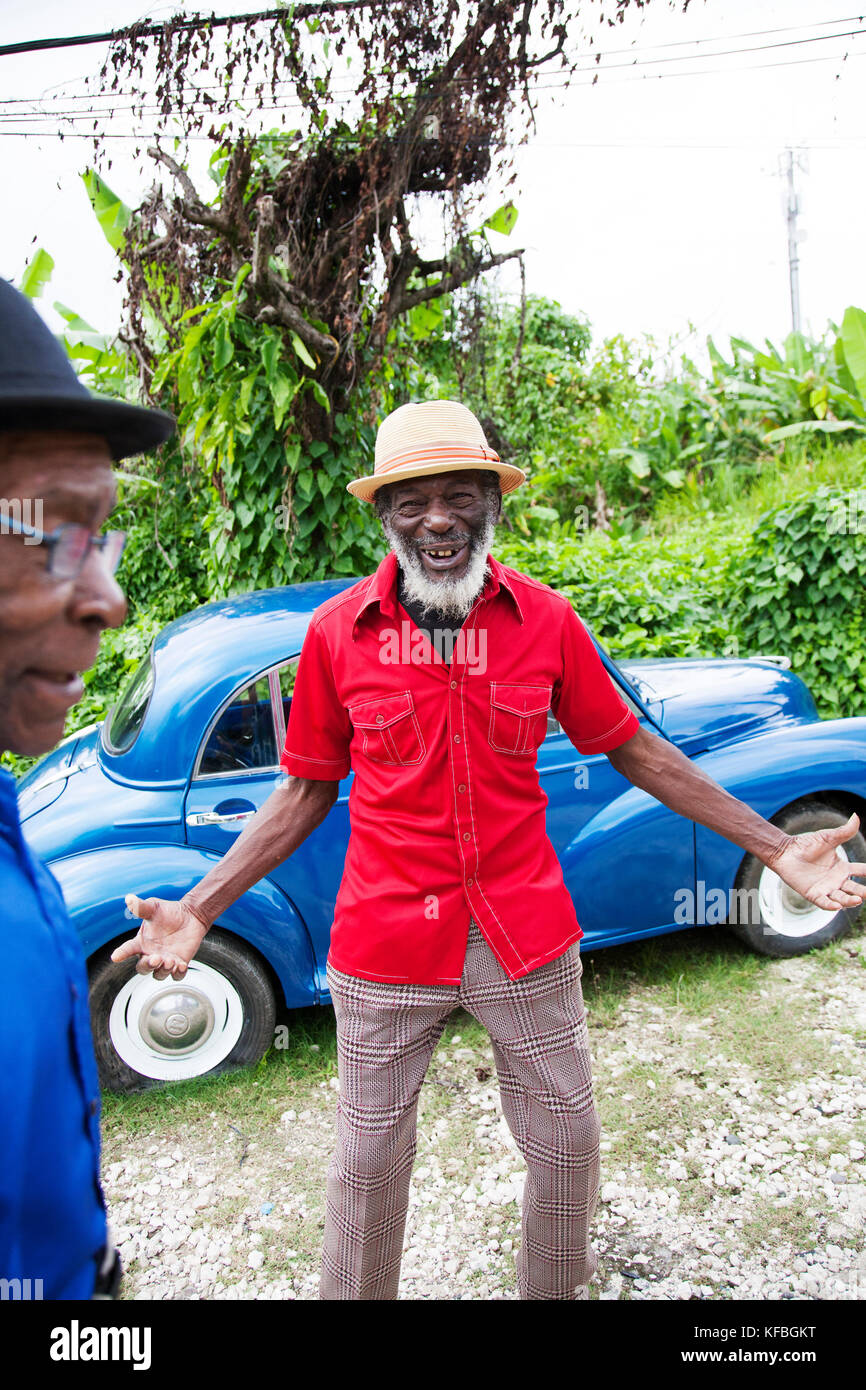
201 658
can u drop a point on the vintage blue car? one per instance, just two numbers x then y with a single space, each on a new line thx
148 801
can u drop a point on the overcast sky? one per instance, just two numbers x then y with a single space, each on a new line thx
650 200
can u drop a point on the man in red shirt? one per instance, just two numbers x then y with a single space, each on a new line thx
432 679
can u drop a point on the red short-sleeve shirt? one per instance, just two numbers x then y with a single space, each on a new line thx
447 813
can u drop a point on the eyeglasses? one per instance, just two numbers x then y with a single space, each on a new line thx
69 546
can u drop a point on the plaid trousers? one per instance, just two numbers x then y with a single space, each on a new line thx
386 1034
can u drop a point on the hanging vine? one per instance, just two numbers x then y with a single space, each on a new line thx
321 214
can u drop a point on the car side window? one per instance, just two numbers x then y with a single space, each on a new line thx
243 736
251 729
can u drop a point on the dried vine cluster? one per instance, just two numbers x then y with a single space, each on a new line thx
321 215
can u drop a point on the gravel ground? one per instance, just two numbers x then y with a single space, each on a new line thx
733 1162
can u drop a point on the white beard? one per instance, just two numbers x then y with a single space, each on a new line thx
450 598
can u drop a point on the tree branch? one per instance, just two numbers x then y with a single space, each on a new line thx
179 172
554 52
524 35
262 245
193 208
276 292
461 274
154 247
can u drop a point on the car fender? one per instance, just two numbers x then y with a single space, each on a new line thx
602 837
770 770
94 885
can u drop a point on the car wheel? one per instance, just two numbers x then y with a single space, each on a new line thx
779 921
146 1031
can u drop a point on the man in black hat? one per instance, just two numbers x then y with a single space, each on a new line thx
57 593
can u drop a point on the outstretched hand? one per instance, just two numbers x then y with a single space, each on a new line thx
169 936
810 865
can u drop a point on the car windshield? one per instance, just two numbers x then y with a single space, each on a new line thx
122 726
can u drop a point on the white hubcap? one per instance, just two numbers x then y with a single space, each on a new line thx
171 1030
787 912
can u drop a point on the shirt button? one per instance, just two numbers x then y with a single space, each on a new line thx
380 719
469 882
466 835
462 787
456 738
453 685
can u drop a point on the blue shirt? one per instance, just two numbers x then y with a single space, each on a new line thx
52 1212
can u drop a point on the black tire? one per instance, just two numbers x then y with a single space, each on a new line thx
813 814
232 960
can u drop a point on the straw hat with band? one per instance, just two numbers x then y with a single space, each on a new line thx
431 437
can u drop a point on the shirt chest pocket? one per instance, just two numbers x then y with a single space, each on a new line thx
388 729
518 717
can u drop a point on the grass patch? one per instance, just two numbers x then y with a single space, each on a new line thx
842 952
472 1033
771 1223
691 970
707 976
826 1141
773 1039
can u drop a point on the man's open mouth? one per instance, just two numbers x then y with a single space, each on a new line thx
442 557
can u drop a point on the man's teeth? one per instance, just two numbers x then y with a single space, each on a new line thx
441 554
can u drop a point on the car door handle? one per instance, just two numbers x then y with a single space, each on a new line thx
214 817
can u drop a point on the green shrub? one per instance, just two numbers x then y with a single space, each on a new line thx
644 596
801 588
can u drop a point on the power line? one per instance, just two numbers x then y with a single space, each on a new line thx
305 11
700 147
842 142
717 72
151 31
748 34
147 31
537 83
591 58
725 53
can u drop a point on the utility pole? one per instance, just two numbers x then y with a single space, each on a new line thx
792 208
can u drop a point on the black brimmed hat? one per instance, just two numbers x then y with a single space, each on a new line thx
39 389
